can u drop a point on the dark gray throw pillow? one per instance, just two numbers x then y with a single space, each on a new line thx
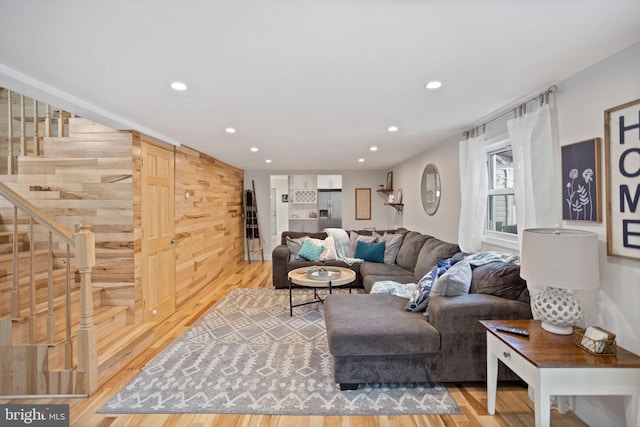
498 278
294 245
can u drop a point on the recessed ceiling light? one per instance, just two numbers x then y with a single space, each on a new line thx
254 149
392 128
178 86
361 160
433 85
374 148
268 161
230 130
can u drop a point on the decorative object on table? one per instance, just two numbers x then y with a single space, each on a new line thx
246 355
323 273
390 180
363 204
622 166
596 340
554 260
581 181
398 196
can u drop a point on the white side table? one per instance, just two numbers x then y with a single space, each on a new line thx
553 365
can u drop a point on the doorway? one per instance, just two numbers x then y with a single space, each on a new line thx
279 185
158 232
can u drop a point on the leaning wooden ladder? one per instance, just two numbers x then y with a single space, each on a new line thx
253 235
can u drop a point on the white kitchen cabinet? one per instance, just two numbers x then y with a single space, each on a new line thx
305 196
303 182
329 182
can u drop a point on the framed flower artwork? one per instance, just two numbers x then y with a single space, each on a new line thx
581 196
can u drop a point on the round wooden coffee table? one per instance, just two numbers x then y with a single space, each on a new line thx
300 277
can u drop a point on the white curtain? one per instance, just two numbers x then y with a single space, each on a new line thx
532 144
473 193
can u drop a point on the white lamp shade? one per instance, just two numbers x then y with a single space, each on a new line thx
560 258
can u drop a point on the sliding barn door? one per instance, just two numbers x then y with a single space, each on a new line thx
158 233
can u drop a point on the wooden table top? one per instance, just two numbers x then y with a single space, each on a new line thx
299 277
547 350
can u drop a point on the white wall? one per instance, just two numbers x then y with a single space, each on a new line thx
381 215
580 105
408 175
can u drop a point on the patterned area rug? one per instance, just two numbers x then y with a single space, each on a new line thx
248 356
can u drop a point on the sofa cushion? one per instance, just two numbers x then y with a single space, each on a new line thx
298 234
329 253
294 245
354 237
456 281
501 279
431 251
420 297
392 246
409 250
376 325
310 251
373 252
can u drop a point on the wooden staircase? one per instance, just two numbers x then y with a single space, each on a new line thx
44 316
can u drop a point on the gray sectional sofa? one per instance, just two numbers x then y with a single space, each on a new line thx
373 339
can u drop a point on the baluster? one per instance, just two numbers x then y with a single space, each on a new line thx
60 124
68 344
87 336
50 319
32 285
23 130
36 139
10 162
47 120
15 294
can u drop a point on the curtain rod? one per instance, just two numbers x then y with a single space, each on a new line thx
517 110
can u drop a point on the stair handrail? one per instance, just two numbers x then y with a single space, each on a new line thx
84 244
41 216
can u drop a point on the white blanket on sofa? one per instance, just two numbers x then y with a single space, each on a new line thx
341 239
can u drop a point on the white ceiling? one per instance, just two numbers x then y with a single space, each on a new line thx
311 83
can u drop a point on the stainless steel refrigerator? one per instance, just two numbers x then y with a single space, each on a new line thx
329 209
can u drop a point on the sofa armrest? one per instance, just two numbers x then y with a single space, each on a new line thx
461 313
279 260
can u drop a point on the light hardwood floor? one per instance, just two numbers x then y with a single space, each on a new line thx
514 409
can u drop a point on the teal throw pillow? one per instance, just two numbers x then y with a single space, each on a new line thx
310 251
373 252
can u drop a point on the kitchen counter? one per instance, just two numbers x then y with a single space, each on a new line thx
302 217
305 224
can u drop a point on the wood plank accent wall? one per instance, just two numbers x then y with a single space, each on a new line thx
209 229
209 224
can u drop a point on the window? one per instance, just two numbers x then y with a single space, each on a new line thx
501 204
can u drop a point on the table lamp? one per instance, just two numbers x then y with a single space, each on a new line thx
554 260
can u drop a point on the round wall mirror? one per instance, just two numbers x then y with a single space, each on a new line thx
430 189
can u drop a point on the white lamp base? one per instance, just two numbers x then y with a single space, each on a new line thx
559 330
558 310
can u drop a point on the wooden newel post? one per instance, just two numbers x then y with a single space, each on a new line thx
85 251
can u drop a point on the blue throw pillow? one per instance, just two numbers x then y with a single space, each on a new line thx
373 252
310 251
419 298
